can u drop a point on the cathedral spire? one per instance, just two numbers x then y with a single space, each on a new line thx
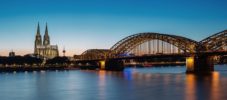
46 37
38 39
46 30
38 30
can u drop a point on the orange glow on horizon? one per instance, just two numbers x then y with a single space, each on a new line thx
23 52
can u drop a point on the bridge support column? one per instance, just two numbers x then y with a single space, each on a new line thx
199 64
114 65
190 64
102 64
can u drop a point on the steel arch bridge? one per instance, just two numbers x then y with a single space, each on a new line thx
158 42
158 49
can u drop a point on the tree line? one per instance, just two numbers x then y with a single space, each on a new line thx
31 61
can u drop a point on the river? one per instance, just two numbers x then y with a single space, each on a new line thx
158 83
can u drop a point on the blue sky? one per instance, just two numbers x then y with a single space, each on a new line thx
84 24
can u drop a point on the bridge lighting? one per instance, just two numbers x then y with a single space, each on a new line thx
190 63
102 64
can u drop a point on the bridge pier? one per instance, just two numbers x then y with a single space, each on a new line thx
114 65
199 64
102 64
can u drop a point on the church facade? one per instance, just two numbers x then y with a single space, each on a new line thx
43 48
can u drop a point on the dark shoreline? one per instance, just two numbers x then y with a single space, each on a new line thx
31 69
63 68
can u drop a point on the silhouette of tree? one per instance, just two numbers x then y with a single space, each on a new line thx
20 60
58 60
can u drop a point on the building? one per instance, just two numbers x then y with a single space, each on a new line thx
43 48
11 54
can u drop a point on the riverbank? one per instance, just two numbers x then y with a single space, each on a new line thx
30 69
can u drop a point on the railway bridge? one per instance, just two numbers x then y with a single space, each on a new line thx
199 56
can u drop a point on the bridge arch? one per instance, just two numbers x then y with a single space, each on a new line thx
215 42
94 54
127 44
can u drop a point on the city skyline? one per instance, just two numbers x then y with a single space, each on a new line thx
81 25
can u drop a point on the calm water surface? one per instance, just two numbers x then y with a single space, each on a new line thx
133 84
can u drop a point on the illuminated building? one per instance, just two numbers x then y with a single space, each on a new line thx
43 48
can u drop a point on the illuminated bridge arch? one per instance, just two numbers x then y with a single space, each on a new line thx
215 42
94 54
154 43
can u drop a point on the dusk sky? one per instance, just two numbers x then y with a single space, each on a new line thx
79 25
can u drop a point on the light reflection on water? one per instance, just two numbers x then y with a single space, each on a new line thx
134 83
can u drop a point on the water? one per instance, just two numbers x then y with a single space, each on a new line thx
133 84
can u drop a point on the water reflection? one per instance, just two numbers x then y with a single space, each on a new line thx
190 90
215 86
132 84
180 85
102 84
205 87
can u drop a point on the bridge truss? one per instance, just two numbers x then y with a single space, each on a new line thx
94 54
216 42
151 43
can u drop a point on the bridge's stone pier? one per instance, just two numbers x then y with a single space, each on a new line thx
112 65
199 64
101 64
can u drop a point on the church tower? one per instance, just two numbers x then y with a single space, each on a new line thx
43 49
38 39
46 40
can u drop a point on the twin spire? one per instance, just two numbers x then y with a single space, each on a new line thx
38 30
46 37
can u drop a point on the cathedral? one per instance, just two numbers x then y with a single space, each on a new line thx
43 48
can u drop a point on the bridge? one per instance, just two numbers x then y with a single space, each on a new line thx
198 56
